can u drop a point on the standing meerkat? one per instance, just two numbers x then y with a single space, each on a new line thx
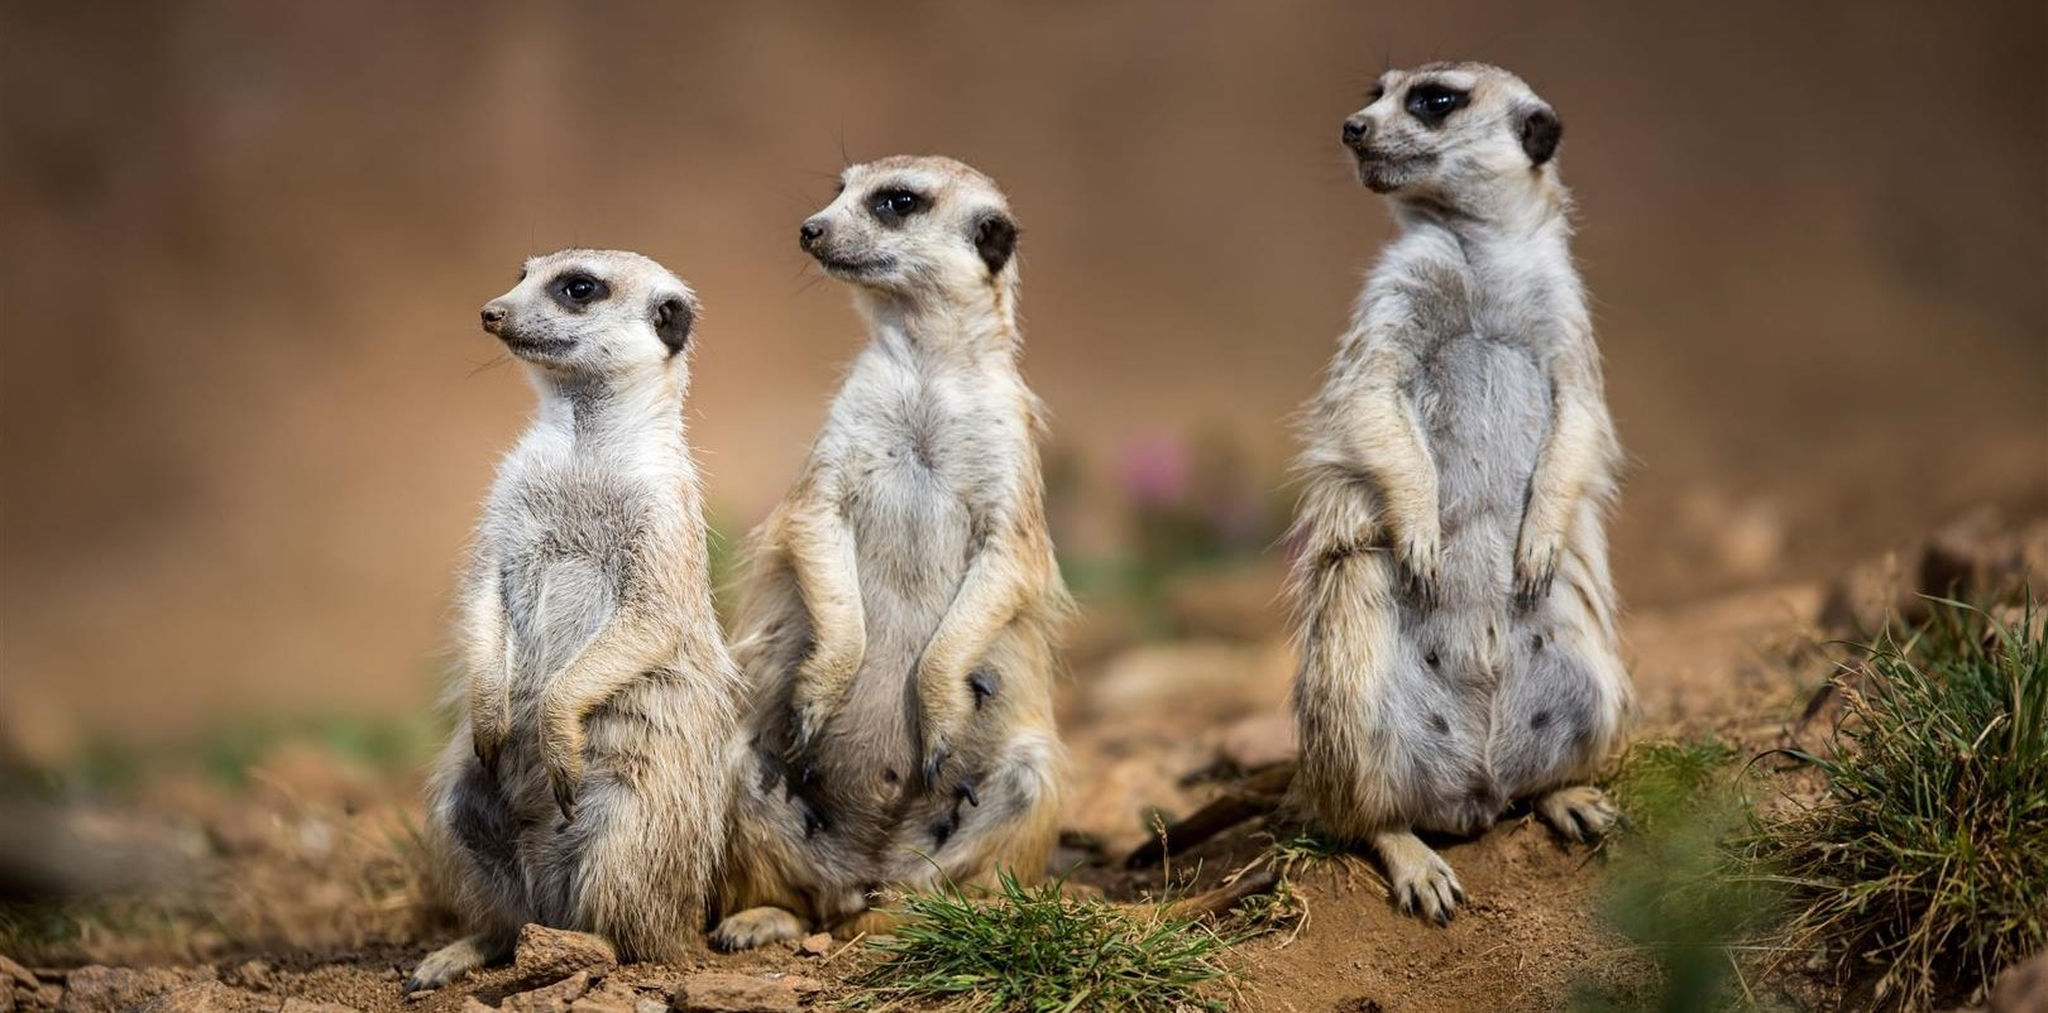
1454 612
897 627
588 780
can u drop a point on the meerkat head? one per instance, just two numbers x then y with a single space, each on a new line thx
908 225
1447 132
593 312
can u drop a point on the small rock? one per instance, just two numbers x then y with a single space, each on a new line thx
602 1004
554 998
2023 988
17 975
250 974
651 1006
206 997
817 944
48 996
314 1006
804 987
1259 741
99 989
544 954
723 992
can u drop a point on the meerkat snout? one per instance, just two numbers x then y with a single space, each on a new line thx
1355 130
494 316
808 235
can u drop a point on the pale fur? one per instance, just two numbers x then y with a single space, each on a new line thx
588 780
1455 615
897 624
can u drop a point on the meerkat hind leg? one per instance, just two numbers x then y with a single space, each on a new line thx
459 958
1580 812
1422 882
756 926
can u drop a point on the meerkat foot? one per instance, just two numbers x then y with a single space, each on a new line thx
756 926
1422 882
457 959
1581 812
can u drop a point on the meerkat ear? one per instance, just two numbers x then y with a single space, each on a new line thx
672 320
995 238
1540 130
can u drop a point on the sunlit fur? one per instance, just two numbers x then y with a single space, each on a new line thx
897 625
595 678
1454 613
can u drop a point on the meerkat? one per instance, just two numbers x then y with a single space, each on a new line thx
588 780
1454 613
897 625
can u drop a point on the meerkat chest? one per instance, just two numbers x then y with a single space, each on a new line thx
568 538
926 461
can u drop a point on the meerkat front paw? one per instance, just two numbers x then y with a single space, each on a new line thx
756 926
1419 552
1422 882
561 750
820 685
1580 812
489 728
1535 568
806 719
941 715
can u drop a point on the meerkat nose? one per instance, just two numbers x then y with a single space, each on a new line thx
494 317
810 233
1354 131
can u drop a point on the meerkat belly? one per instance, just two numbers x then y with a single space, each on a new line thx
1485 408
911 532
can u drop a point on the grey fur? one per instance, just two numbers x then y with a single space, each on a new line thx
587 783
1456 619
898 619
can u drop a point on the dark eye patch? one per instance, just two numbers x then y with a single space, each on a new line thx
575 291
893 204
1433 103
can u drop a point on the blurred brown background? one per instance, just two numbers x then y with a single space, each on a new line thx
247 411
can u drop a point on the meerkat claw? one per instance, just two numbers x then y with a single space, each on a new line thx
936 753
565 797
487 755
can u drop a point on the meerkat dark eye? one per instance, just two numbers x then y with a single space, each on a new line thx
896 205
1431 103
577 291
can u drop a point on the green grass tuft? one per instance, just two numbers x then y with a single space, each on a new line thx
1659 782
1019 949
1671 893
1924 864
